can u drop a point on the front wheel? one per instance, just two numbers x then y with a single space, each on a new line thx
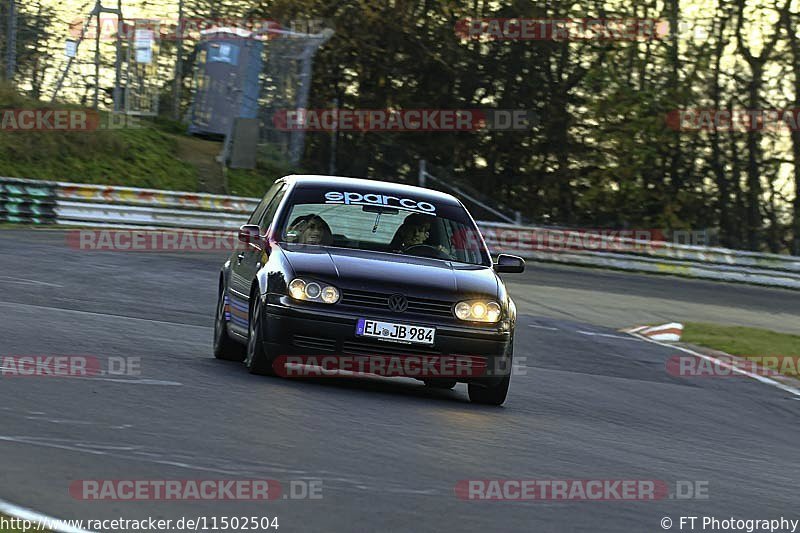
257 360
224 346
495 395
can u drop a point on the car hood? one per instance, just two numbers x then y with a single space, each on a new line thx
383 272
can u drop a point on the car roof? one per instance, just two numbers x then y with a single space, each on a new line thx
375 186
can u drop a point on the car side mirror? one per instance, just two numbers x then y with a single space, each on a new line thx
250 234
510 264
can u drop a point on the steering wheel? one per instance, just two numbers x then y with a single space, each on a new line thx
426 250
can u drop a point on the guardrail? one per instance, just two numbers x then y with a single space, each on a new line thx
77 204
527 238
588 249
72 204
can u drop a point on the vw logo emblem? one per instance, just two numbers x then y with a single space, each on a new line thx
398 303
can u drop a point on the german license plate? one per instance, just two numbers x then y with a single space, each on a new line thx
389 331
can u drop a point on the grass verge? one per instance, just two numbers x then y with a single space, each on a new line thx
151 153
750 343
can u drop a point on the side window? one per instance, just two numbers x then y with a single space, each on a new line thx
269 214
262 206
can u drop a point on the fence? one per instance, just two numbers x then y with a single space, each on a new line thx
74 204
71 204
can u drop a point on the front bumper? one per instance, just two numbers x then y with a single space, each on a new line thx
319 330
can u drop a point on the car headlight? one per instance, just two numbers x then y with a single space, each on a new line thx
311 291
478 311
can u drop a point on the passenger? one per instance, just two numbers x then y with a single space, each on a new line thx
310 229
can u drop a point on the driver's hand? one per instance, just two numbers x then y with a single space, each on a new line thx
444 251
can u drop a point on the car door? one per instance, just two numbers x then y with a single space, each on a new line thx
246 263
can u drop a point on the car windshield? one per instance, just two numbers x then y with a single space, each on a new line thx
380 223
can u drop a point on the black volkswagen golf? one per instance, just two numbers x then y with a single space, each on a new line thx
370 271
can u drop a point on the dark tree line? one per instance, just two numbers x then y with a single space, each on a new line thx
605 150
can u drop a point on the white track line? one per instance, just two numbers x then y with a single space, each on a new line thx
763 379
23 281
607 335
135 381
542 327
46 521
106 315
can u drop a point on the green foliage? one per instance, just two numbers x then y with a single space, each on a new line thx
270 165
751 343
146 155
140 157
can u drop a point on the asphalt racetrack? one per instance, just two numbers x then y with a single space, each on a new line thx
587 403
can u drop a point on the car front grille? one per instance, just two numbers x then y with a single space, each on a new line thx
362 347
377 300
314 344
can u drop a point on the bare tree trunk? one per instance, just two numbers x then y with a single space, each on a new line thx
674 65
754 135
739 227
754 159
791 28
796 221
717 166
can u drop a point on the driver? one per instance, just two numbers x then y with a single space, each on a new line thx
414 231
310 229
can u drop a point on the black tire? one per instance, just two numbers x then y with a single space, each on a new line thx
224 346
494 395
439 383
489 395
257 360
